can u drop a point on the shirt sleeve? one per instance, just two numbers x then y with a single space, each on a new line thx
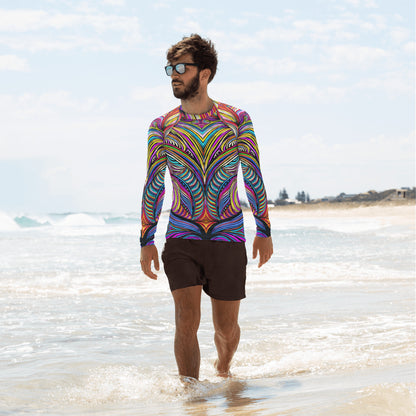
154 187
253 181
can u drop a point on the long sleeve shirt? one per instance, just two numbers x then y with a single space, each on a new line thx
203 153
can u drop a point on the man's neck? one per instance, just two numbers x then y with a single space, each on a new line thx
197 105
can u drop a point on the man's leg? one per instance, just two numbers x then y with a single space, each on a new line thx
227 333
187 317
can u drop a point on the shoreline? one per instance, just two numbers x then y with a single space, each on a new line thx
346 205
389 212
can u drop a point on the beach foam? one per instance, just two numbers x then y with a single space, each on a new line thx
7 223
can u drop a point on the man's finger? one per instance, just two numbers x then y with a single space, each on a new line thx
148 272
156 263
152 275
264 258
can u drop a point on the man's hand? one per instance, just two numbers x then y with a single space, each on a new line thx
147 254
264 246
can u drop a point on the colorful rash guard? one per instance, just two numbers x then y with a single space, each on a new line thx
203 152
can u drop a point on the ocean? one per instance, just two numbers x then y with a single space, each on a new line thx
327 328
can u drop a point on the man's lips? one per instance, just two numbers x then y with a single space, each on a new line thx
176 83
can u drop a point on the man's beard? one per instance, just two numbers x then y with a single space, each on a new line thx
190 91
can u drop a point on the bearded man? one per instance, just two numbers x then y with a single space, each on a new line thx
203 142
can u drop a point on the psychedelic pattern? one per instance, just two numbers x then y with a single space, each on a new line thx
203 153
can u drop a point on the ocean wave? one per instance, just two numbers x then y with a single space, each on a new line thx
14 222
81 220
30 222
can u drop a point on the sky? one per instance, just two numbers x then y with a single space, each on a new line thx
329 85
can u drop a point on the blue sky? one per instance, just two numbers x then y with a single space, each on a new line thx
329 85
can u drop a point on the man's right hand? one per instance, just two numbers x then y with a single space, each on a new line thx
147 254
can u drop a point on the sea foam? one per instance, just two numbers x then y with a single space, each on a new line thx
7 223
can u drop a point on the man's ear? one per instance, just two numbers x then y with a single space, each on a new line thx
205 74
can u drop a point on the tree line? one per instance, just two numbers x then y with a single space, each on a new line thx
301 196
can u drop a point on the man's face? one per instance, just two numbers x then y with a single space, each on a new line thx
185 85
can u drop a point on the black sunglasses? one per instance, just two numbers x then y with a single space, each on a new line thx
179 68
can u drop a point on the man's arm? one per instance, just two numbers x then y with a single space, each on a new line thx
152 201
254 185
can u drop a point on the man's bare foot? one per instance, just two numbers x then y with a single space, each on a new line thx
222 373
188 381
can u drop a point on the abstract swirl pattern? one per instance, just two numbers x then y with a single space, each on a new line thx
203 153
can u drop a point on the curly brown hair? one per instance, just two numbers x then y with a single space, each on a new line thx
202 50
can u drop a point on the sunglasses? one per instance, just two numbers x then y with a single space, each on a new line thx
179 68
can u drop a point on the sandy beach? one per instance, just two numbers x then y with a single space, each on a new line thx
392 212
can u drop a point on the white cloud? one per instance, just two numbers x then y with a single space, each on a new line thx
21 20
400 34
187 26
325 31
268 65
91 152
30 29
394 83
32 20
13 63
239 22
323 166
49 124
159 97
26 106
162 4
115 2
266 92
409 47
317 150
355 56
379 21
370 4
66 43
278 33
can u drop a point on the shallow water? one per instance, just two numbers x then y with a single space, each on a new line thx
327 325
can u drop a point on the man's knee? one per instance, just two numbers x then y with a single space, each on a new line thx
187 318
227 330
187 323
187 309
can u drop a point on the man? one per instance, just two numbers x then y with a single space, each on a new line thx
202 142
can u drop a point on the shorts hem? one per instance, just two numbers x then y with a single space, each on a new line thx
184 287
224 298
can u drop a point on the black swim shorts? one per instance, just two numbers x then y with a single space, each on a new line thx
219 266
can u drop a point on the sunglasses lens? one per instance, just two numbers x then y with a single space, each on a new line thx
169 70
180 68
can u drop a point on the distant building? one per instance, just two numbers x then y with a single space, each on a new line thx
292 201
401 193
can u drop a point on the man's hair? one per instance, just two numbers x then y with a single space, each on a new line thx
202 50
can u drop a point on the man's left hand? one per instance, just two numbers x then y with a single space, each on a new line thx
263 246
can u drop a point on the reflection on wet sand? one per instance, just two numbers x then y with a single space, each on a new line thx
232 396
